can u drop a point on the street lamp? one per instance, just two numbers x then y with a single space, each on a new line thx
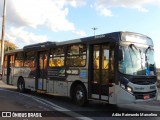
3 34
94 29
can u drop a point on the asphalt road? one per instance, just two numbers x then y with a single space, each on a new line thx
13 101
18 106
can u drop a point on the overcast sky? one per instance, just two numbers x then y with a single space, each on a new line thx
33 21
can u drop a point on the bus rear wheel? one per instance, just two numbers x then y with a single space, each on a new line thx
80 95
21 85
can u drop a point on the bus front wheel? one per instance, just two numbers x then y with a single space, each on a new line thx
21 85
80 95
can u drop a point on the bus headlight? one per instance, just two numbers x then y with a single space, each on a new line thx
129 89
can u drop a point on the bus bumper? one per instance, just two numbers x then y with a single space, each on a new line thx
124 97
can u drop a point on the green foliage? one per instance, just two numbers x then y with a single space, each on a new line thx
8 46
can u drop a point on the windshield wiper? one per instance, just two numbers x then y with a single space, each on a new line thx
147 49
139 51
130 46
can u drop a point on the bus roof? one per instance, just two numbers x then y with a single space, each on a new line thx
13 51
114 36
39 45
85 40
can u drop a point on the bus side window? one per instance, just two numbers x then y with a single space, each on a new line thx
57 57
76 55
96 63
19 59
105 63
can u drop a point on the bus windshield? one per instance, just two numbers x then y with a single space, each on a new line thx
137 60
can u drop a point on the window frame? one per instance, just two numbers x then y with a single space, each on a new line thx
29 59
75 55
19 59
58 56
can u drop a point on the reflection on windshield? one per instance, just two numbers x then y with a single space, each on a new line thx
150 62
137 61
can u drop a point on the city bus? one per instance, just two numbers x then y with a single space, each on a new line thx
115 68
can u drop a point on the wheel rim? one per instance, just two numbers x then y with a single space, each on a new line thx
79 95
21 85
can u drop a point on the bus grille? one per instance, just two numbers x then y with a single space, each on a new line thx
140 95
142 81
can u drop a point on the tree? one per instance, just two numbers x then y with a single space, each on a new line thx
8 45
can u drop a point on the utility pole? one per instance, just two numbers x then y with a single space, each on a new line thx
94 29
3 34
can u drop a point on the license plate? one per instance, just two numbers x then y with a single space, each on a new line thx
146 97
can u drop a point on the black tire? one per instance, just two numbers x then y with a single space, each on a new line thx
80 96
21 85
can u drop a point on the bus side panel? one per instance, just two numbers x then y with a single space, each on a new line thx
23 72
11 76
15 76
60 88
4 75
42 84
15 80
17 72
30 83
28 74
50 86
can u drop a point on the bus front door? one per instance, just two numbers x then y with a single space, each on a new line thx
42 71
99 71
